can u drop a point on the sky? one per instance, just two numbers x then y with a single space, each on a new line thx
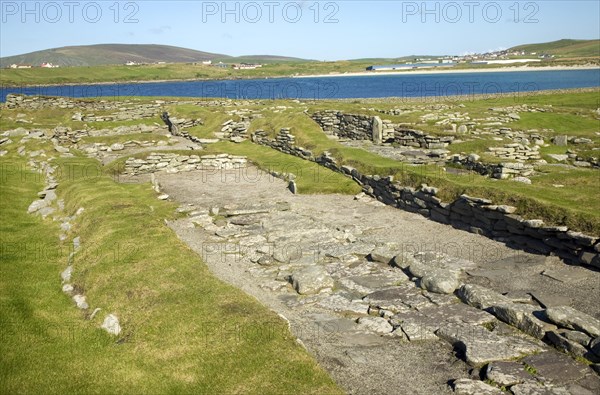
320 30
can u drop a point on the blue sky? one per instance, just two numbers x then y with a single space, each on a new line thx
324 30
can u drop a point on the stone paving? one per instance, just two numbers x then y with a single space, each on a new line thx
361 283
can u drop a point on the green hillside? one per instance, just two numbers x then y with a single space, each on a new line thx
564 48
117 54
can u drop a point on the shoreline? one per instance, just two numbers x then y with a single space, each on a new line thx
454 71
346 74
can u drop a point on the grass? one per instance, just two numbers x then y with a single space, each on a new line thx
562 123
530 369
184 331
564 48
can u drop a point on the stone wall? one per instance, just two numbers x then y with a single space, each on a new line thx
349 126
417 138
471 214
284 142
174 163
124 110
501 171
516 151
363 127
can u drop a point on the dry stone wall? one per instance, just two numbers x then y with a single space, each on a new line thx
123 110
468 213
363 127
174 163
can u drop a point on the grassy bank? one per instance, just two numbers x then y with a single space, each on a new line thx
185 71
184 331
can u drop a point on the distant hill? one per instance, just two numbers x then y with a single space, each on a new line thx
103 54
564 48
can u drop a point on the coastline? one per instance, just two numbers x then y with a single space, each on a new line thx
346 74
454 71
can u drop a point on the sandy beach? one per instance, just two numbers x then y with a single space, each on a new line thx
453 71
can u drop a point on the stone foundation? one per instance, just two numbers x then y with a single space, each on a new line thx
174 163
363 127
467 213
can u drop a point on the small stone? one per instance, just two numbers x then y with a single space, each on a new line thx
383 254
117 147
311 280
66 274
292 187
80 302
163 197
523 180
475 387
95 312
62 150
111 325
506 209
561 141
266 260
441 282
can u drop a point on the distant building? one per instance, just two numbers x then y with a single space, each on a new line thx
20 66
246 66
221 65
131 63
408 66
207 62
48 65
511 61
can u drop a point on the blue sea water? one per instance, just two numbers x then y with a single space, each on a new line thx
403 86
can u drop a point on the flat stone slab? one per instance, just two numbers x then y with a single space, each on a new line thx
534 388
398 298
568 317
556 367
491 274
342 251
507 373
550 299
567 274
474 387
372 282
482 346
435 317
481 297
524 317
377 325
341 304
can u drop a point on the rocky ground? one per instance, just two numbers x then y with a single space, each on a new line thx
388 301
